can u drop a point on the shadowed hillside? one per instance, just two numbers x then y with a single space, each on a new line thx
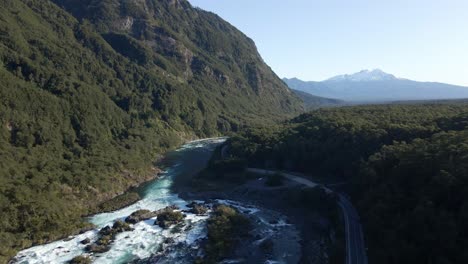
93 93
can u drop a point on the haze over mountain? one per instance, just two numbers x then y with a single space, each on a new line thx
376 85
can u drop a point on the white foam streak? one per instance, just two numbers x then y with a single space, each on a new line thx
143 242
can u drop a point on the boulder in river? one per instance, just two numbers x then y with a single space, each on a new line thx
170 207
198 209
168 216
105 240
121 226
169 240
81 260
105 231
95 248
85 241
140 215
106 237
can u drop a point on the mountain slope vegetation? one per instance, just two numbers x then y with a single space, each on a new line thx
93 91
406 166
312 102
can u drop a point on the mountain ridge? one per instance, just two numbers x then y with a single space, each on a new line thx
363 75
93 95
377 86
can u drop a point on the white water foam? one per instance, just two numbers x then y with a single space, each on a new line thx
143 242
147 239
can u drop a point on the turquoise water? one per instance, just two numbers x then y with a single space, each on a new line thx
147 239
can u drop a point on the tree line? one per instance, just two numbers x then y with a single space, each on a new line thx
406 166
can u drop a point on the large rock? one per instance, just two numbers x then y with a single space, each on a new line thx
95 248
140 215
105 231
120 226
106 237
198 209
143 214
168 217
85 241
81 260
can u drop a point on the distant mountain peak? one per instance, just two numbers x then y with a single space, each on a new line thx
378 86
364 76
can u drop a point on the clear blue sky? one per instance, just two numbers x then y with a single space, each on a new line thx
424 40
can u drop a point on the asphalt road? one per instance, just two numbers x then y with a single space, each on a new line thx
355 246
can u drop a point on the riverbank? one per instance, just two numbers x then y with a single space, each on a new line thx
125 191
315 234
279 232
98 203
115 201
146 238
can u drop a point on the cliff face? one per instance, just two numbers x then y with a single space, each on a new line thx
92 91
191 46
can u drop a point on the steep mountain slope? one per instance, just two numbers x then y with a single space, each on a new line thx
313 102
88 104
191 46
377 86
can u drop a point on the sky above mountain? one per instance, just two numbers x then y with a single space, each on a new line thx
424 40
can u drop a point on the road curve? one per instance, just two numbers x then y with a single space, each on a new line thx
355 246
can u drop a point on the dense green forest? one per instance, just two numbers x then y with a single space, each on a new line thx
312 102
93 91
406 166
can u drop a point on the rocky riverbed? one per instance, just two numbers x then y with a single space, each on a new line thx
309 232
165 227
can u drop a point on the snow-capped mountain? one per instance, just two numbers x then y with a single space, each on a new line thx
363 76
377 86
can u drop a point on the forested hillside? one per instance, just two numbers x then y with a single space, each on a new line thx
406 165
313 102
92 91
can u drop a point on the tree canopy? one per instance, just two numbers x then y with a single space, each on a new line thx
92 92
406 166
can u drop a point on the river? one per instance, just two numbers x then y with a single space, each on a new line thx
147 240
